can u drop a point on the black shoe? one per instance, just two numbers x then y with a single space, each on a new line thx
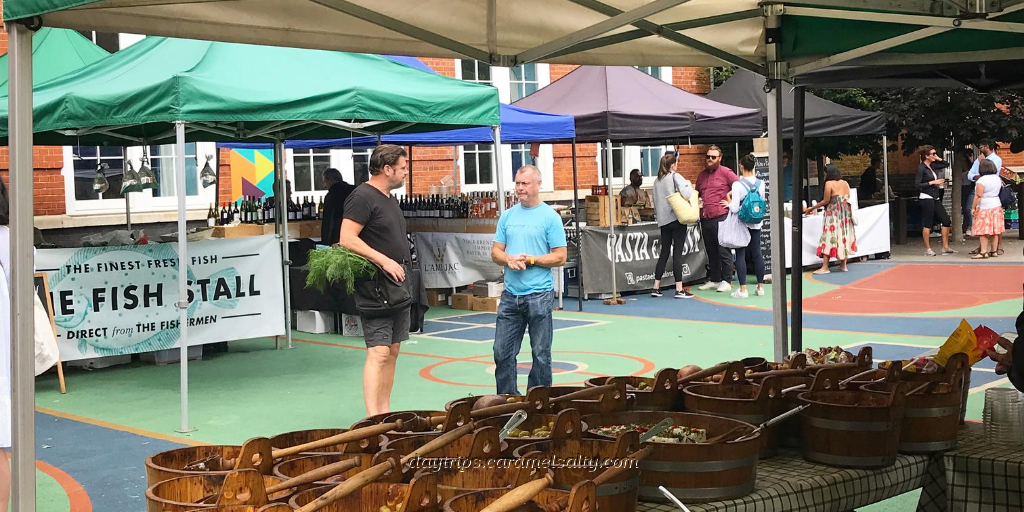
656 293
684 295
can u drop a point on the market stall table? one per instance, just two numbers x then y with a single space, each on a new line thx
978 475
787 482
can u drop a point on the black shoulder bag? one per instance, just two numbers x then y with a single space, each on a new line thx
381 296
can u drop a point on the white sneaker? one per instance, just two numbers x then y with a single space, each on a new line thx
724 287
739 294
759 292
708 286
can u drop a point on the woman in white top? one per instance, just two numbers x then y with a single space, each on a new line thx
673 234
747 184
988 210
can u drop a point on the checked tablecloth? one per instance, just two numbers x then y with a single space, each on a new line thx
788 483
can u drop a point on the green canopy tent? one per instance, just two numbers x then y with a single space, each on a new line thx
56 52
164 90
782 40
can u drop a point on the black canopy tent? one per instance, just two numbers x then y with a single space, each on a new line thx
624 104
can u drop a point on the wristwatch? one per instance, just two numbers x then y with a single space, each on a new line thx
533 261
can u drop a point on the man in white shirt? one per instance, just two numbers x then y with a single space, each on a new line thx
988 150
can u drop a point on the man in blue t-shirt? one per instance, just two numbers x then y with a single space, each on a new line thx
529 242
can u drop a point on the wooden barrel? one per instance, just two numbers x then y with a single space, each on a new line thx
413 427
956 363
931 417
182 494
420 495
754 364
611 401
169 464
862 361
693 472
855 429
741 400
538 394
294 467
452 482
579 460
562 425
297 437
788 431
658 393
274 507
481 444
477 500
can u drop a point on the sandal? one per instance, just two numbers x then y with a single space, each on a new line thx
999 252
980 256
976 251
993 254
820 272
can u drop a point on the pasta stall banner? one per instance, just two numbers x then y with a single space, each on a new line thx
123 299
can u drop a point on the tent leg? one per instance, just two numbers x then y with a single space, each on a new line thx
777 235
609 170
179 171
285 258
576 219
128 210
796 247
19 65
496 161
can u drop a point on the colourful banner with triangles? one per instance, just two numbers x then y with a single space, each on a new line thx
252 173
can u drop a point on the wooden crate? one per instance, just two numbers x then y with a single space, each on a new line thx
597 211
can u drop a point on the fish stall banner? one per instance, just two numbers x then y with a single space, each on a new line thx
122 300
635 249
448 260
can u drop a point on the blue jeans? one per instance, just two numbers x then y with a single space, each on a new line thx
515 315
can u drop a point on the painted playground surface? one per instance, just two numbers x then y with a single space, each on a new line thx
91 443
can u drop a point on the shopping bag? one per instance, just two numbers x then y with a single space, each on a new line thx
733 233
687 211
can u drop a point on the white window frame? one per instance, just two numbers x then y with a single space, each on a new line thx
501 80
514 83
140 202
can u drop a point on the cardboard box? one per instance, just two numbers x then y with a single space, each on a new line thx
486 304
315 322
488 289
437 296
462 301
351 325
240 230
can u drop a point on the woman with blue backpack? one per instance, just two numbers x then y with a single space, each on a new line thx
746 200
838 238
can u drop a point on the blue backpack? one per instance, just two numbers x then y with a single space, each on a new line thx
753 207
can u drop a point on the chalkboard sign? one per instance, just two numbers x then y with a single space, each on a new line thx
761 171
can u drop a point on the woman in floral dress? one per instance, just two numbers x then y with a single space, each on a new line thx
838 239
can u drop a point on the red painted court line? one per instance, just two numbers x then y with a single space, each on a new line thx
78 499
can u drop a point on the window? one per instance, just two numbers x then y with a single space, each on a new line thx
109 41
161 160
521 156
86 160
476 71
523 81
618 154
477 158
360 166
308 168
654 71
650 160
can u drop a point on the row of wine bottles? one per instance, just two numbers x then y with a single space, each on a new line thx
253 210
473 205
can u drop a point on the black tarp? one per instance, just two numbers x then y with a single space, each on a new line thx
823 118
626 105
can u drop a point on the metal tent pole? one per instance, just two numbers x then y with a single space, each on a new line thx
128 210
409 191
19 124
778 241
885 166
179 172
611 211
497 163
797 245
285 258
576 220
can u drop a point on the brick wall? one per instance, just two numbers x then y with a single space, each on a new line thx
693 80
429 166
47 181
586 166
224 175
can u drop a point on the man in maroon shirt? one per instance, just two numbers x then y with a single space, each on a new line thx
714 184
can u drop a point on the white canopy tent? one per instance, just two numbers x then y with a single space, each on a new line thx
782 40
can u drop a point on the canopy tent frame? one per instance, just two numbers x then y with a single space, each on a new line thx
149 17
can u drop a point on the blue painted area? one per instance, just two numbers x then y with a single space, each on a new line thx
109 464
651 307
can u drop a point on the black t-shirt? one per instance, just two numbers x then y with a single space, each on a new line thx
334 208
382 220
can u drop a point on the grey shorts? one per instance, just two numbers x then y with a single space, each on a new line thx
382 332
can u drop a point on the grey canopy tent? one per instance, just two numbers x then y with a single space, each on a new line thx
624 104
783 40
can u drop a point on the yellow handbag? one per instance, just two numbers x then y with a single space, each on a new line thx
687 211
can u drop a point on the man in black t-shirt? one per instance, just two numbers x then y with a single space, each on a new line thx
334 205
374 228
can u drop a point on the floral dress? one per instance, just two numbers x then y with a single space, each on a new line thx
838 239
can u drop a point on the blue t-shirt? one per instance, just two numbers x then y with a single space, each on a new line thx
975 171
533 232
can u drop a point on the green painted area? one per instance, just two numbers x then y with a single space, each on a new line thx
50 497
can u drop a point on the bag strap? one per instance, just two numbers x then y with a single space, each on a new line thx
747 185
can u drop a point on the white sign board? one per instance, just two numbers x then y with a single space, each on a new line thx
448 260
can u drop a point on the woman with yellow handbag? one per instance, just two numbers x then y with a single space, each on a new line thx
675 206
